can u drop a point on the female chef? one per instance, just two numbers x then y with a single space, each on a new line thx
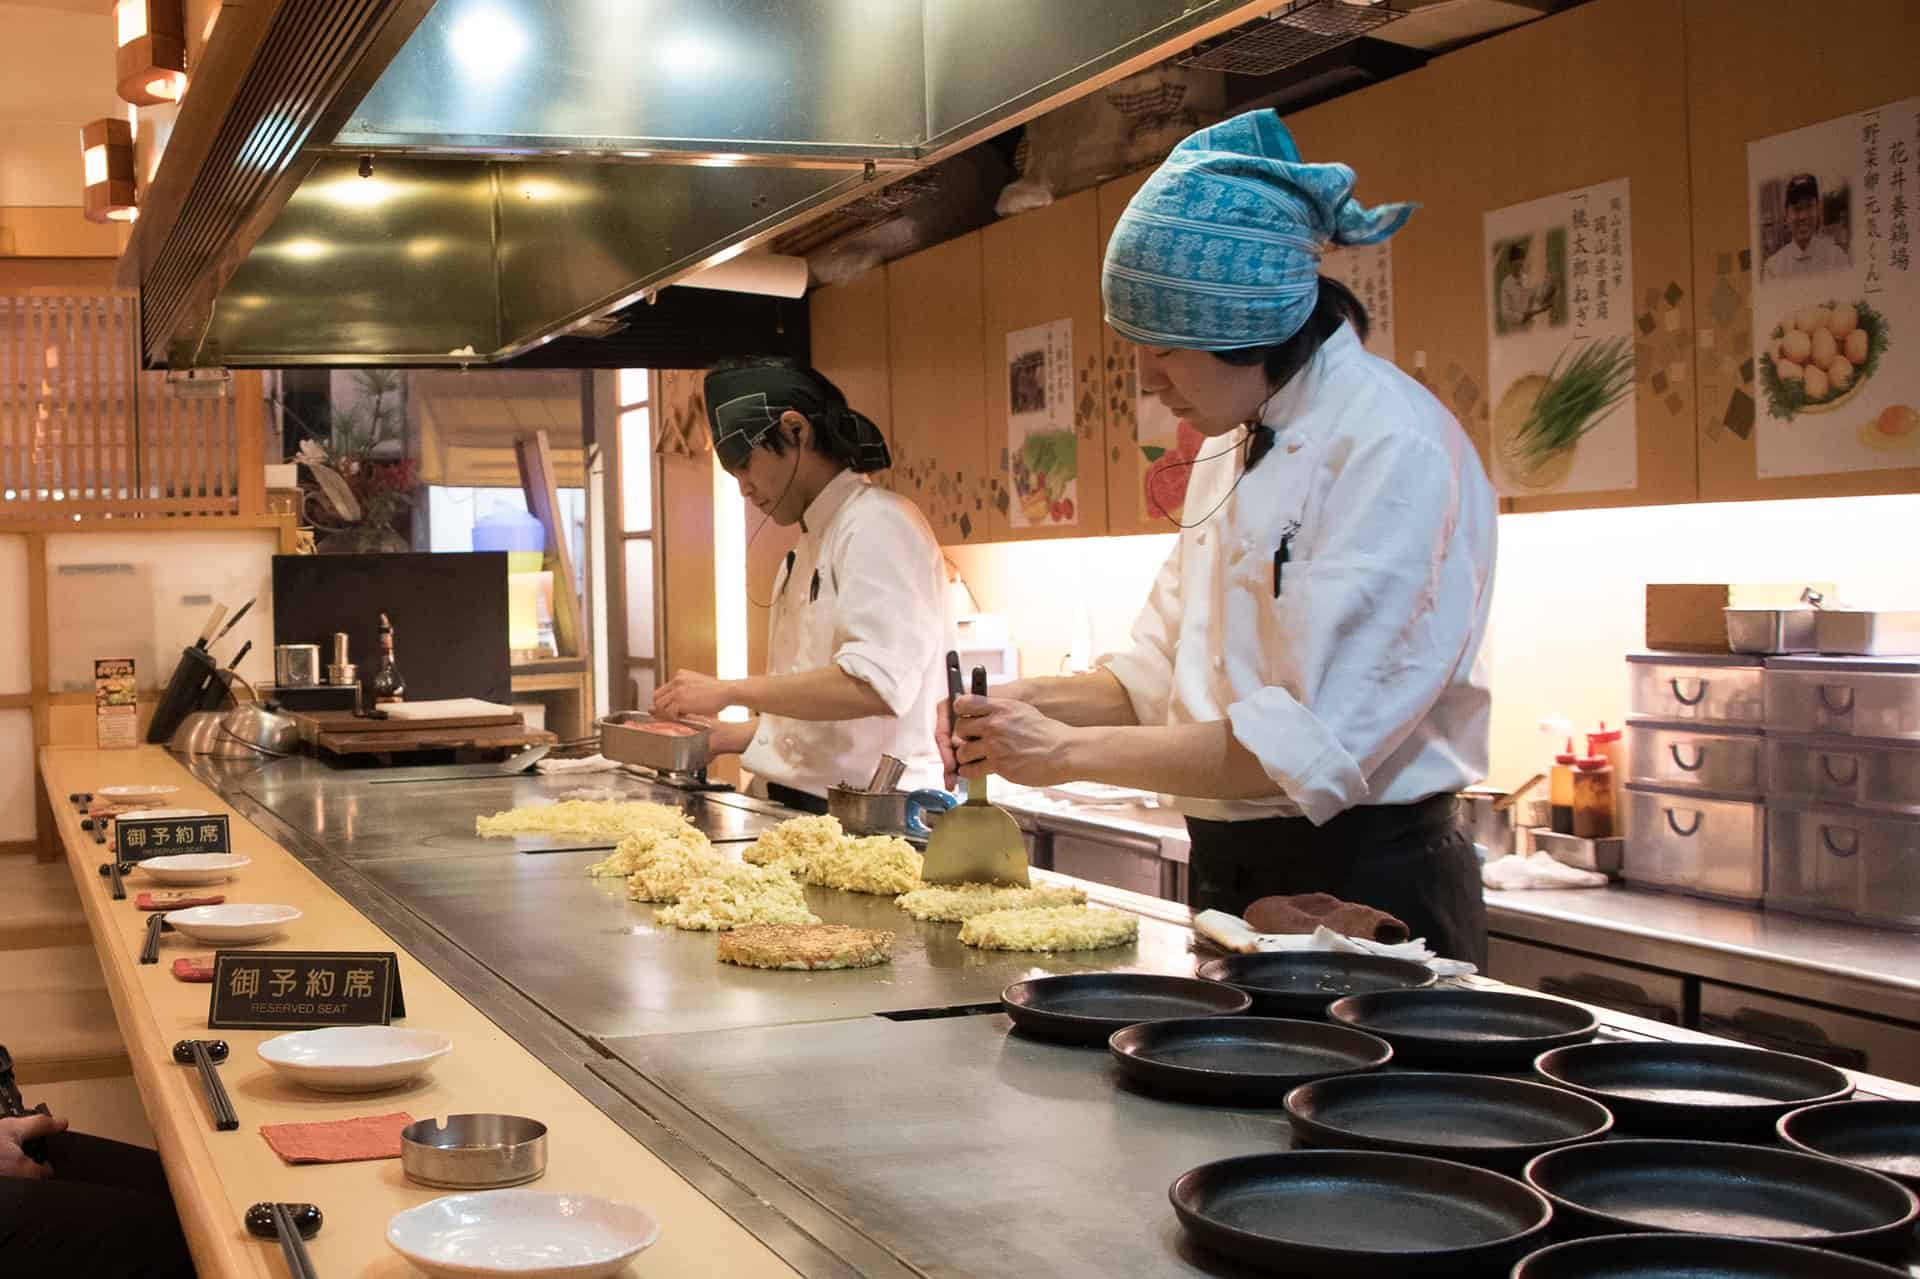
858 625
1305 675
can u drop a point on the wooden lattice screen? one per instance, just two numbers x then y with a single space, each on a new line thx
84 432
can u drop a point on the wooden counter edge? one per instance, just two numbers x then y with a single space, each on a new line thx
180 1132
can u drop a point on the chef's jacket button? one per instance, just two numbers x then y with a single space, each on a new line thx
788 743
1219 662
1201 540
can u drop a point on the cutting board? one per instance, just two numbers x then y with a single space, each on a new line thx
460 709
314 723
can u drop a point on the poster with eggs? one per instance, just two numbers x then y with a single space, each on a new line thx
1558 273
1043 452
1836 306
1367 269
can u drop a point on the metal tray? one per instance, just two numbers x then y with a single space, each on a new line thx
1719 1091
1714 1187
1477 1119
1466 1029
1086 1008
1243 1061
623 739
1880 1135
1771 631
1603 855
1869 633
1303 983
1360 1214
1693 1257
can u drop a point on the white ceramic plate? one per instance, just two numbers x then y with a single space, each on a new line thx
354 1058
150 814
121 794
194 868
529 1234
234 922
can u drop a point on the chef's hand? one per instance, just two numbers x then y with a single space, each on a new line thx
1009 739
691 693
14 1133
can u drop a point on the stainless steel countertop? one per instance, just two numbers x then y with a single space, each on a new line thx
1847 965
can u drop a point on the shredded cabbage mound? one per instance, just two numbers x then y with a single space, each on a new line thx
818 851
736 895
643 848
663 872
955 902
798 838
1050 928
585 818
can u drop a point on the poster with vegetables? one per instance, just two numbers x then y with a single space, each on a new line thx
1836 309
1043 453
1560 359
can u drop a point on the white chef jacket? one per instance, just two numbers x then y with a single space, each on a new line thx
866 592
1360 682
1820 256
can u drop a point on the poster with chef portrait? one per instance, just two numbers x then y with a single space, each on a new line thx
1560 358
1836 311
1043 452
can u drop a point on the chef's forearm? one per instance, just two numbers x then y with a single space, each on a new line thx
731 738
1200 761
825 694
1091 699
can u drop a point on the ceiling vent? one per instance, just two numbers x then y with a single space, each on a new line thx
1297 32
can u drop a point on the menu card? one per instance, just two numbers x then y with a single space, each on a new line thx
116 704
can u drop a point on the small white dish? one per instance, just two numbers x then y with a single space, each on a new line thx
529 1234
194 868
122 794
234 922
354 1058
154 814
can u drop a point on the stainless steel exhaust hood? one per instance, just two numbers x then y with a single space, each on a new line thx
411 182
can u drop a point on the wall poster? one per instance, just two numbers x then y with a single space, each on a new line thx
1043 452
1367 269
1836 312
1560 358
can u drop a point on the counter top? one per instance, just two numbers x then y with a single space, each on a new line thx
216 1176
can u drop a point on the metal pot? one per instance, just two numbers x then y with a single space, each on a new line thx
258 725
890 812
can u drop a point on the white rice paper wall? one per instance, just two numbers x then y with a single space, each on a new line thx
16 674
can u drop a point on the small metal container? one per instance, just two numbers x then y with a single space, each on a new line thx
1602 855
1771 630
474 1152
891 812
626 739
1867 633
1490 827
296 665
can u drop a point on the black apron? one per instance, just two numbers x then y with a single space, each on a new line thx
1413 861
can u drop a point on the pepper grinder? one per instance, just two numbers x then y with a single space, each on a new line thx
341 671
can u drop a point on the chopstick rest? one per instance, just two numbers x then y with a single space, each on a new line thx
291 1224
203 1053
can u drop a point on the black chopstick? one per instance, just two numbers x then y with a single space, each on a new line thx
197 1052
150 953
292 1246
119 884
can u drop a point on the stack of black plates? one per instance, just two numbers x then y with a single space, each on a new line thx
1086 1008
1883 1136
1693 1257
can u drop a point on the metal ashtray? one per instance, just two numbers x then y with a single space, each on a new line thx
474 1152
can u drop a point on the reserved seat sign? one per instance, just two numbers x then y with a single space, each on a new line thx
138 838
301 989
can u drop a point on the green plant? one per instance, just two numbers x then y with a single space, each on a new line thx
1574 400
361 478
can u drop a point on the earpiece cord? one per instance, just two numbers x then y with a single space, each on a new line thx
1245 440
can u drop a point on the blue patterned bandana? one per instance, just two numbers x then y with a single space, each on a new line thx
1221 248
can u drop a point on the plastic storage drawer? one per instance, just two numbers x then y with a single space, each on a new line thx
1710 845
1696 690
1835 861
1861 697
1844 770
1730 761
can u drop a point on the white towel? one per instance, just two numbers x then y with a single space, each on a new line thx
1234 933
591 764
1536 870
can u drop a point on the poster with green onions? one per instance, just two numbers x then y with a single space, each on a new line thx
1560 355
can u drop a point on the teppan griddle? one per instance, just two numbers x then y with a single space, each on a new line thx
1360 1214
1881 1135
1466 1029
1487 1120
1718 1092
1242 1061
1693 1257
1302 983
1721 1188
1086 1008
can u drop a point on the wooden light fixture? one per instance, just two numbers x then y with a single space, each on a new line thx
107 157
151 66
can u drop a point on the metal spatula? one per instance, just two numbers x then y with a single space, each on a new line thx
975 843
